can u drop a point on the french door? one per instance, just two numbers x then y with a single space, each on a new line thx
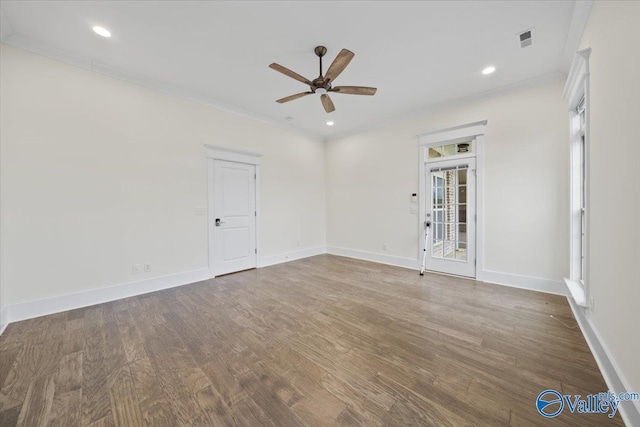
451 212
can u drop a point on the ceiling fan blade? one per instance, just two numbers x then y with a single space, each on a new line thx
288 72
354 90
327 103
292 97
338 65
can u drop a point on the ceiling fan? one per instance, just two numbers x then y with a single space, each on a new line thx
322 84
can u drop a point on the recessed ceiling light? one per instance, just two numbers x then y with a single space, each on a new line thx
102 31
329 123
490 69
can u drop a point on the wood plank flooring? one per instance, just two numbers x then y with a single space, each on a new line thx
320 341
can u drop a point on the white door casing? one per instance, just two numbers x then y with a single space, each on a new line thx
235 256
234 232
470 132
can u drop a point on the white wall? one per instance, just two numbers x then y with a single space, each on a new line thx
371 176
99 174
3 311
614 274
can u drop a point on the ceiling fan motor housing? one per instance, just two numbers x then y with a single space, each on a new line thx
320 83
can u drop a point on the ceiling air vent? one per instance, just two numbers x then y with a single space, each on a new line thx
525 39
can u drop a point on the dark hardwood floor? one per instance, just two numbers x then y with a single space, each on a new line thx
320 341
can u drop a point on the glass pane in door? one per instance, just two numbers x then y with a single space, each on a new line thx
449 213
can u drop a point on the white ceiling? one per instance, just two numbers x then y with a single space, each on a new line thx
418 54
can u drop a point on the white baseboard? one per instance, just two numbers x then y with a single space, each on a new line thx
4 321
44 306
265 261
374 257
513 280
630 411
539 284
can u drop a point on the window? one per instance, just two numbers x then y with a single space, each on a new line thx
449 208
577 93
450 149
438 208
581 177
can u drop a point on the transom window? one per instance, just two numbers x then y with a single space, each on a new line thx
450 149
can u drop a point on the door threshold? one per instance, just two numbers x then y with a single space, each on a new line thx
234 272
450 275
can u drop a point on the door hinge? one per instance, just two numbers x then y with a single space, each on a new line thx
256 250
255 213
475 217
255 176
475 262
473 171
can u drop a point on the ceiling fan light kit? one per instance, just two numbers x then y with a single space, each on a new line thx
322 85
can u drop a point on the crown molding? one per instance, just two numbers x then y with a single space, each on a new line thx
42 49
503 90
581 11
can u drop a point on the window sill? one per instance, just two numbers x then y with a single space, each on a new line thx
577 292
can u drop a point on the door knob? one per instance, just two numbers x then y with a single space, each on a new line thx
218 222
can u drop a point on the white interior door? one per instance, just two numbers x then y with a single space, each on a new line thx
451 210
234 214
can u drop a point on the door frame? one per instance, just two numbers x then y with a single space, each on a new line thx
442 264
237 156
475 131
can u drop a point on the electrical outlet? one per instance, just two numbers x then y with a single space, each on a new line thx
147 267
136 269
413 209
592 303
384 246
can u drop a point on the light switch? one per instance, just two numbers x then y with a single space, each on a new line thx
414 198
201 211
